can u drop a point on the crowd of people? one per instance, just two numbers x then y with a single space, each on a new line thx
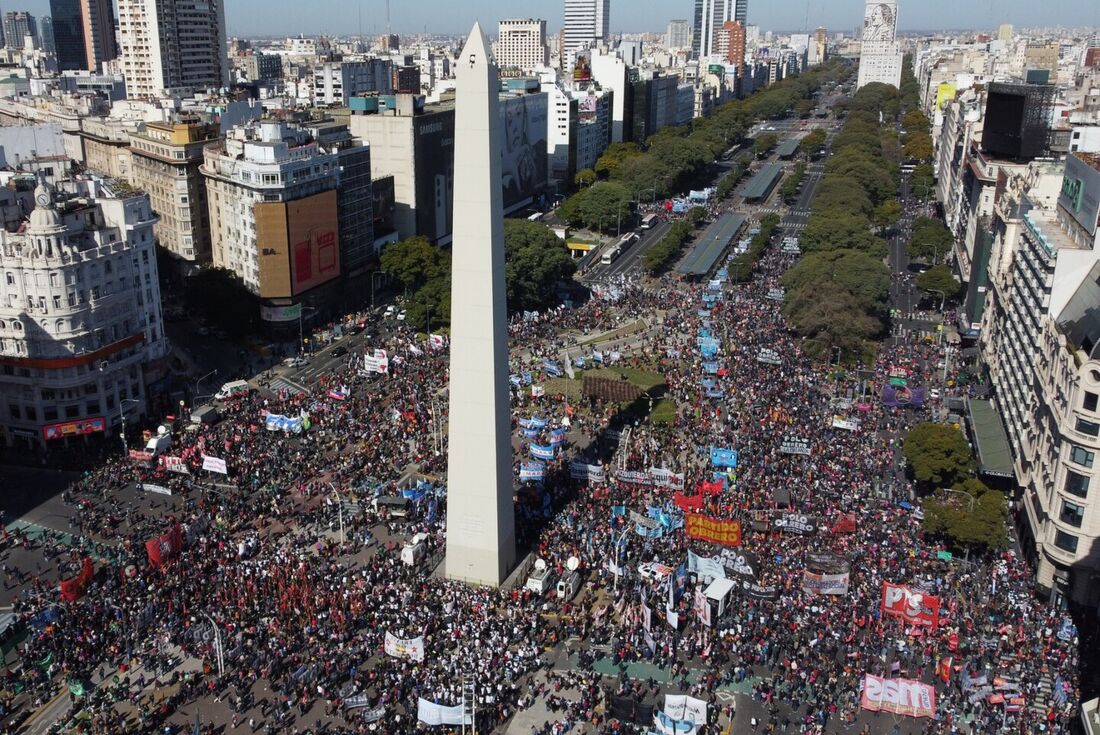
247 576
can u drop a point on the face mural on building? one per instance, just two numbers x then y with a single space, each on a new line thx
878 22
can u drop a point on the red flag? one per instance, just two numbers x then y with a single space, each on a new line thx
846 523
710 488
689 502
944 669
73 589
165 547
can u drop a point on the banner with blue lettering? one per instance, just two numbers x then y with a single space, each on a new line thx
537 423
704 313
723 457
530 433
551 369
557 437
532 470
715 393
433 510
540 452
415 494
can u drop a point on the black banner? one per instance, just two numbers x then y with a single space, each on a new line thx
796 523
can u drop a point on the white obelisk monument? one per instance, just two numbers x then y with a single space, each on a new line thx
481 537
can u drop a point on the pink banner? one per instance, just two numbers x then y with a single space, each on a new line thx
899 696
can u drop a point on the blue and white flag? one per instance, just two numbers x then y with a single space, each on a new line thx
723 457
597 357
650 533
551 369
538 423
540 452
514 380
557 437
526 375
532 470
711 368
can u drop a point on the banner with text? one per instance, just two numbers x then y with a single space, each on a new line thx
912 606
705 528
899 696
410 648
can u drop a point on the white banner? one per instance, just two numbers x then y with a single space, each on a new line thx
376 364
436 341
431 713
795 445
151 488
590 472
410 648
665 725
214 464
281 313
647 618
702 607
682 707
839 422
537 391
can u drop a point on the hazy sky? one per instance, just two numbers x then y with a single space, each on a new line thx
257 17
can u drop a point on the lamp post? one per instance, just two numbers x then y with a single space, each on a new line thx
301 336
340 508
199 382
122 417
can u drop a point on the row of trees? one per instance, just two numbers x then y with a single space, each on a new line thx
676 158
793 182
662 255
535 262
838 294
741 267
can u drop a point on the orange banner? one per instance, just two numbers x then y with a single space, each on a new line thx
705 528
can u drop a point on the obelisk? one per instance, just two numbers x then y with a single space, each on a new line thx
481 537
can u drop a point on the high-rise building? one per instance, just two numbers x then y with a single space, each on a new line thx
45 30
710 19
521 44
586 22
84 33
741 12
1005 32
165 162
679 34
880 55
172 46
481 540
82 333
19 24
734 42
335 83
819 47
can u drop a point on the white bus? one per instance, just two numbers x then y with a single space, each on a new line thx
609 255
648 221
627 240
536 217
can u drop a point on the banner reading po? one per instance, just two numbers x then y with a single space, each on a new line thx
910 605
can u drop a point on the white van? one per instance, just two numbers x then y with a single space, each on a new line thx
233 389
160 443
413 553
541 580
568 586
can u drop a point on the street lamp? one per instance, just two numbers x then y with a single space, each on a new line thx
340 508
122 417
301 336
199 382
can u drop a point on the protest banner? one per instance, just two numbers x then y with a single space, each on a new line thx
910 605
410 648
898 696
825 584
705 528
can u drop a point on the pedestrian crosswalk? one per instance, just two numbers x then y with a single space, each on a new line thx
281 384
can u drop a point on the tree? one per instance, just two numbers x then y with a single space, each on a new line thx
922 181
764 144
414 261
793 182
614 157
598 207
840 231
937 453
585 177
979 521
886 214
536 261
865 277
930 241
916 121
829 317
939 279
918 146
814 142
697 215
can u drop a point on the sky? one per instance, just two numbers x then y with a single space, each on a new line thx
286 17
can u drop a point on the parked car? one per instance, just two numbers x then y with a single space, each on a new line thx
339 351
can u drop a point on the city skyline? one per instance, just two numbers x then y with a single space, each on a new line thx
332 16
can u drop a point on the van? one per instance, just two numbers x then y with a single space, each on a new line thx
398 507
160 443
413 553
541 580
568 586
233 389
205 415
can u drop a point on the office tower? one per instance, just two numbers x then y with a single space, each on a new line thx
172 46
710 18
741 12
45 32
18 25
880 56
84 33
819 47
481 546
521 44
586 22
1005 32
679 35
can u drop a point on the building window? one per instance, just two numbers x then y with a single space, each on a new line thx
1081 456
50 413
1065 542
1090 401
1072 514
72 412
1088 427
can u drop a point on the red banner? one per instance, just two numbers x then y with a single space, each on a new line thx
910 605
73 589
943 669
845 523
705 528
710 488
688 503
166 547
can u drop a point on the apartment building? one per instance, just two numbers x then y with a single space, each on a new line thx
172 46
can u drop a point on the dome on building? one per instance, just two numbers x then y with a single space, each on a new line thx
44 218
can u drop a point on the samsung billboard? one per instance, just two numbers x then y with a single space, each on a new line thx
1081 190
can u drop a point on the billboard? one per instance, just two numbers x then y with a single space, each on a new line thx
880 21
299 244
587 105
74 428
1081 192
277 314
523 151
582 68
434 154
944 94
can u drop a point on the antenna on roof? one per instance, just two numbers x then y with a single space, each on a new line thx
387 17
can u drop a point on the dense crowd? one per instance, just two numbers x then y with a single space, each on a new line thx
257 561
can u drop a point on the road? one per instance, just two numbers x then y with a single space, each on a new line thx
627 266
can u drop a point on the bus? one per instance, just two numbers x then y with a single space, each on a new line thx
536 217
627 240
609 256
649 221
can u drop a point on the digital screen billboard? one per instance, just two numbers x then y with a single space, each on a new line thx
74 428
1081 191
523 153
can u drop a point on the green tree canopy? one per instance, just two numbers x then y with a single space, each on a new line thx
863 276
840 230
887 214
585 177
414 261
922 181
939 279
764 144
537 260
938 454
814 142
930 241
598 207
981 523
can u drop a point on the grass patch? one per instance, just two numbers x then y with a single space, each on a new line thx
647 380
629 329
571 389
664 413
